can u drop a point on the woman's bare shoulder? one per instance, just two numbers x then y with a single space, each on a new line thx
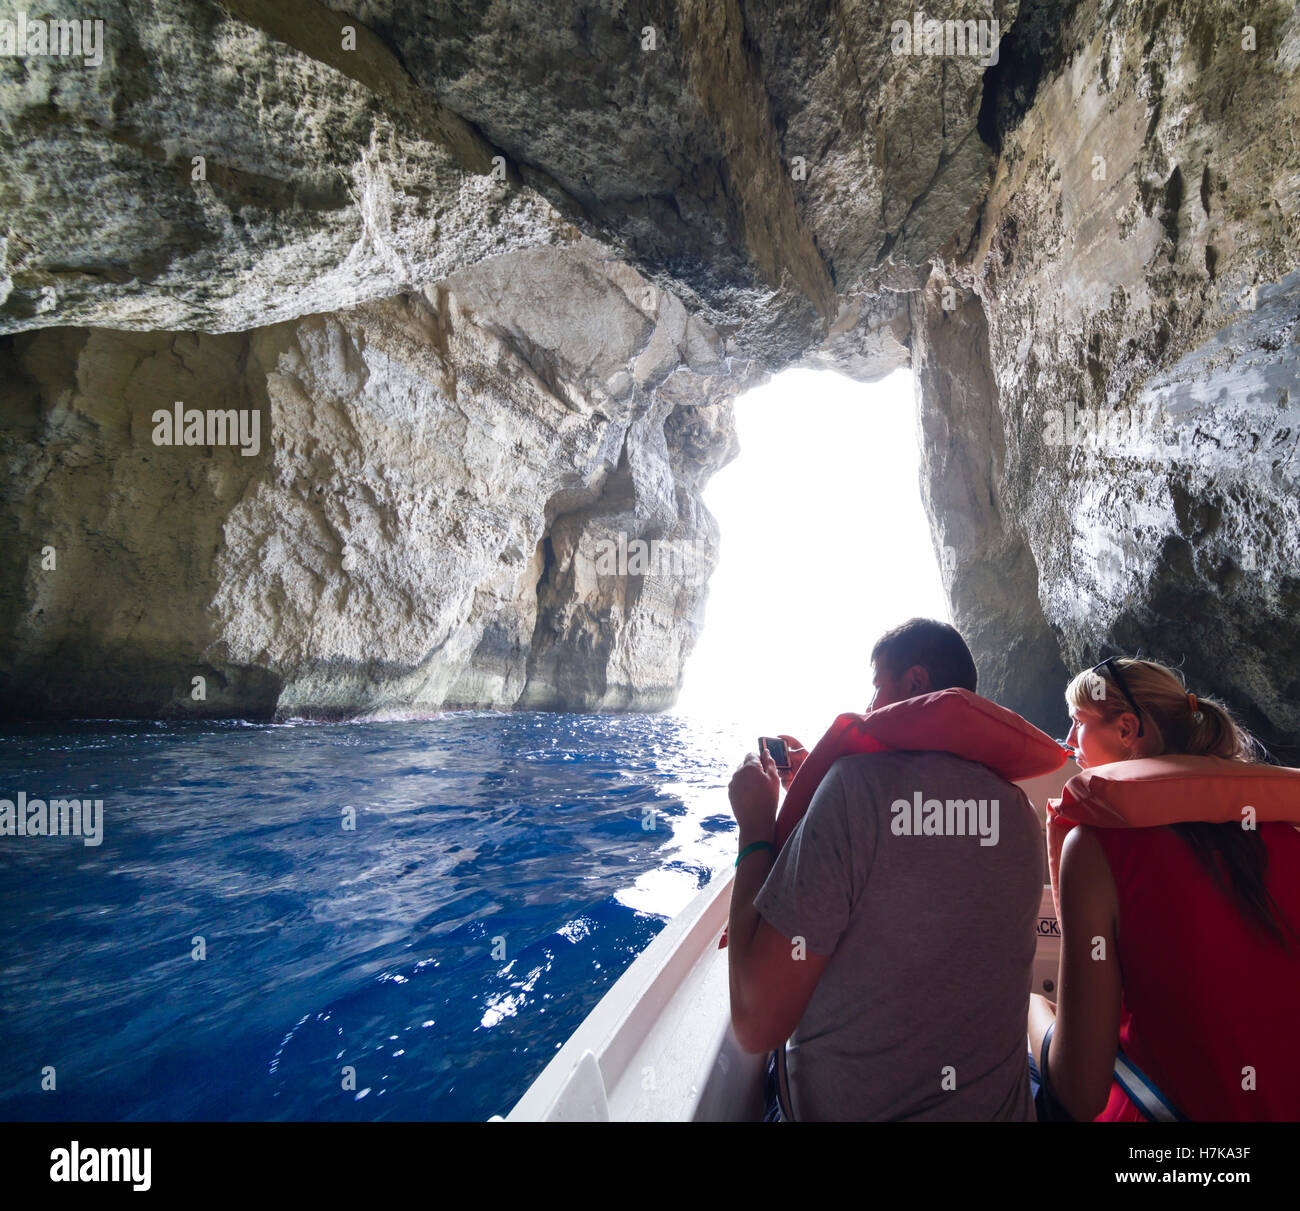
1085 873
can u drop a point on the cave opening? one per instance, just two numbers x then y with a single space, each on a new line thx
825 544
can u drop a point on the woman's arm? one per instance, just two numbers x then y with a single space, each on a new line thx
1081 1059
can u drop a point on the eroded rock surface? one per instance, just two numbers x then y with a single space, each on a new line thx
421 527
1136 264
493 273
757 160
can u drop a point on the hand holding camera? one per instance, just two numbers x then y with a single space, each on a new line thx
786 753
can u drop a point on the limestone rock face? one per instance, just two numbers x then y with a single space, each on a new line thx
1136 265
491 275
209 175
989 571
421 525
238 164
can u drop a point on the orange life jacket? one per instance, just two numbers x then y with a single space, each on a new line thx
1148 792
949 721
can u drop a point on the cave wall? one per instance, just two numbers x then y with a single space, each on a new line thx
769 164
209 175
1135 263
494 273
420 526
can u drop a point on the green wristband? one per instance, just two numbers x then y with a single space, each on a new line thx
749 849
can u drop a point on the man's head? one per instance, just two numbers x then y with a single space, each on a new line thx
920 657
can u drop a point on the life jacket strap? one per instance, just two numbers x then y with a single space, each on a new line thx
1143 1093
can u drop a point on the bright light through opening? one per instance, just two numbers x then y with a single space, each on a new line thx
825 545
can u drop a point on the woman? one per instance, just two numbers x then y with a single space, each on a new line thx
1180 944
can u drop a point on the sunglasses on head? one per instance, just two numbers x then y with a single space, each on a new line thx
1110 665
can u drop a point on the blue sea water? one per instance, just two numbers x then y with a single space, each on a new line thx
503 872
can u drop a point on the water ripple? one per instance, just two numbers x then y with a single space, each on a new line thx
425 964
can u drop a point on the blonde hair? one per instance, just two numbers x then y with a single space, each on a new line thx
1169 714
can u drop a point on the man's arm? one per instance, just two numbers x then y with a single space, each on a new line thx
771 977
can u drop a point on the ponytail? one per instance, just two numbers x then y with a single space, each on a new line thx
1208 730
1236 859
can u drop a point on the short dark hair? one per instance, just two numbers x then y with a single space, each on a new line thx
938 648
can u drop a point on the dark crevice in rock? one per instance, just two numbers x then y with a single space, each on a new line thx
1171 205
1037 45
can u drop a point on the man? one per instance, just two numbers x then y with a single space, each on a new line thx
898 965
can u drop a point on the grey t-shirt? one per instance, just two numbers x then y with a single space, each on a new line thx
927 909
